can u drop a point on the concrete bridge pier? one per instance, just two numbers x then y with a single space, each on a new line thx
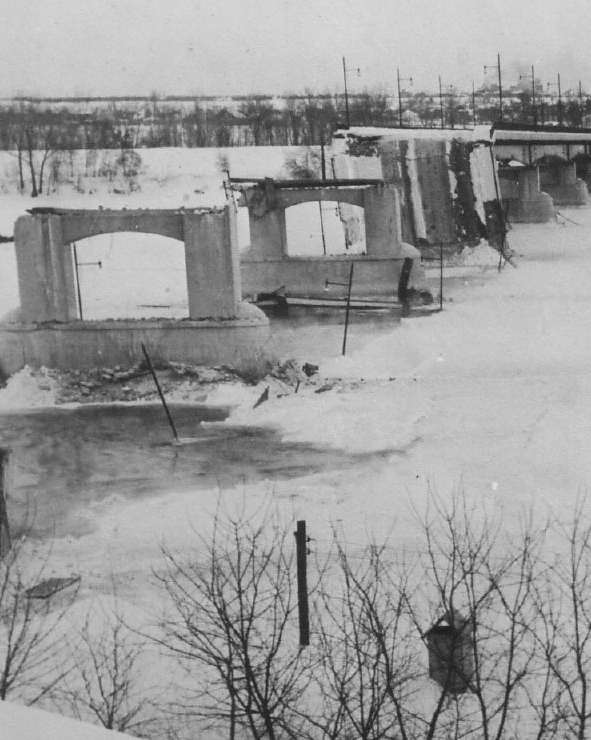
219 329
382 222
268 235
520 190
563 185
45 268
213 264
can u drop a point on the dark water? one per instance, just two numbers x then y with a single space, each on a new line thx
64 462
311 335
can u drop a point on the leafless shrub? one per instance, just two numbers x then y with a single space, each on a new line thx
563 601
106 685
233 628
514 661
32 663
366 668
471 571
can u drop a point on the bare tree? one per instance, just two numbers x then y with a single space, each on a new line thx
232 626
367 668
484 582
32 663
106 684
564 633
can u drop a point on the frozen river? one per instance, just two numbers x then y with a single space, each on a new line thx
70 465
493 395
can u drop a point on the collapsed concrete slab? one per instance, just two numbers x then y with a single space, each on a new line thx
219 329
445 180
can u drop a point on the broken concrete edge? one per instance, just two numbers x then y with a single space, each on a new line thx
324 258
84 212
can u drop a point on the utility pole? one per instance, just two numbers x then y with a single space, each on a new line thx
498 68
441 103
533 93
500 88
345 70
473 105
400 79
346 94
559 113
302 578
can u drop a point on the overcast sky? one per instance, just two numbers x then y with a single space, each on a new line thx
104 47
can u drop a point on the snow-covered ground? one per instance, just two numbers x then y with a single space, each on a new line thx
26 723
492 395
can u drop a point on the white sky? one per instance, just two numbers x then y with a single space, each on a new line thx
102 47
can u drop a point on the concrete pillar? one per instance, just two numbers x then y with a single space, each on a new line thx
533 206
382 221
213 264
268 235
568 174
45 270
564 186
571 191
529 183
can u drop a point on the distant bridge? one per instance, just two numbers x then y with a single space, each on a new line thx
541 167
532 144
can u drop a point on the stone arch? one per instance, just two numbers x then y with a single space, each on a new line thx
46 267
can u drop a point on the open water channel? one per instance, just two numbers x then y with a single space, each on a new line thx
65 461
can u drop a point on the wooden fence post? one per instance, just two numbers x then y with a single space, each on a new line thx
5 542
302 561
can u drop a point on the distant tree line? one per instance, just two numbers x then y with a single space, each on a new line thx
42 125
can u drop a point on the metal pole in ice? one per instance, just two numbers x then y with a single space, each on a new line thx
441 276
159 389
347 308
